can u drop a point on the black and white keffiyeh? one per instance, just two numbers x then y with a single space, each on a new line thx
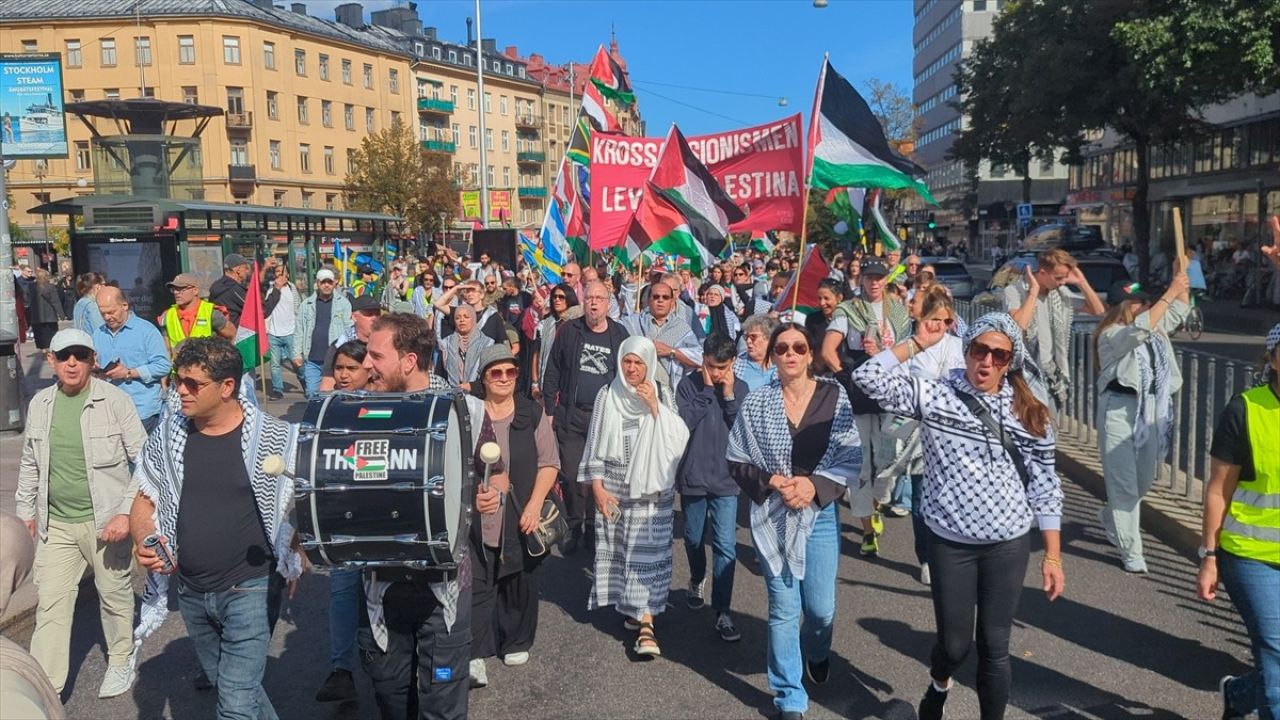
1154 374
761 437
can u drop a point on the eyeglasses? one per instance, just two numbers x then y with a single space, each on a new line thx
945 321
191 385
1000 357
660 297
502 373
559 296
597 298
181 289
81 354
799 348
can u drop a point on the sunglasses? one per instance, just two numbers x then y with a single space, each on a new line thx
507 373
798 348
945 321
999 356
661 297
191 385
81 354
559 296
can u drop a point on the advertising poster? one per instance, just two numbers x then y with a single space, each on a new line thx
499 206
33 124
469 204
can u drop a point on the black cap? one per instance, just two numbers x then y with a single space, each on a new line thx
234 260
1127 290
366 270
874 266
364 303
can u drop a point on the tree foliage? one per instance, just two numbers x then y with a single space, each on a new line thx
393 174
892 107
1055 70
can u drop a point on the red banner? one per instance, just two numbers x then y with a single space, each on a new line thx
760 167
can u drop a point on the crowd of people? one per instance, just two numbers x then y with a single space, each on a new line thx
619 402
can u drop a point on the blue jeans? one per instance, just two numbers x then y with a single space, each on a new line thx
345 588
311 378
281 354
903 495
918 528
812 599
724 543
1254 587
231 632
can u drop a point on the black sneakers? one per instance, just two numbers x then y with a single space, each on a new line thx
338 686
931 705
818 672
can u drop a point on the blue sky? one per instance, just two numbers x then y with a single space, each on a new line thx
771 48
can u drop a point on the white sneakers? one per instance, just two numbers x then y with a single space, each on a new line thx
479 675
118 680
515 658
925 578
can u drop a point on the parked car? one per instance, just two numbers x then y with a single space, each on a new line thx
1100 269
1072 238
951 272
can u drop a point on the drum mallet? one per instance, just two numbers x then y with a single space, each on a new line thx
490 453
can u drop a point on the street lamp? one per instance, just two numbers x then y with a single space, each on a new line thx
782 102
819 4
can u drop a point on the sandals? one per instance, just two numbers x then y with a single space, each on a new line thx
647 642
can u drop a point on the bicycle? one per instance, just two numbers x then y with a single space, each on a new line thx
1194 322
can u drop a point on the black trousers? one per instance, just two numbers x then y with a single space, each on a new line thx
504 610
987 578
420 654
578 505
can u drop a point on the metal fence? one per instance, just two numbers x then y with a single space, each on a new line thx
1208 382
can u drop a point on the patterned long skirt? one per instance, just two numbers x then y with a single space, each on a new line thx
633 555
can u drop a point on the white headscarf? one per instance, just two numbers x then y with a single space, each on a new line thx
661 440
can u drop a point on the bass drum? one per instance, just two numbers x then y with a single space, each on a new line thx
383 480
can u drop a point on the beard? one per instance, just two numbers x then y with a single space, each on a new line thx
396 382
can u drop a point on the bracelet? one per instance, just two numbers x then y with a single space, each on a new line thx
1054 561
1165 300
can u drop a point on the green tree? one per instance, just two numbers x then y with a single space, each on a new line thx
393 174
1054 70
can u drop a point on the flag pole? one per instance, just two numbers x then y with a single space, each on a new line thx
808 183
639 278
804 237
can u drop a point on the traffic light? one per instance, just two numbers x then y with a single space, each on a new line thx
932 223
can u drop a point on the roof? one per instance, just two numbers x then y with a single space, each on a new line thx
75 205
376 38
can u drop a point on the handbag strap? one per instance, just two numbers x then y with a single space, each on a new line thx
993 428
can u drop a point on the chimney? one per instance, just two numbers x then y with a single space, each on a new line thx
469 38
429 33
350 14
512 52
300 8
264 4
490 46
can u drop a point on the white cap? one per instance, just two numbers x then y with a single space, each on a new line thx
69 338
325 274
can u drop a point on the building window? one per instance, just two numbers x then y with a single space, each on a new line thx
324 67
998 170
506 176
142 51
269 55
149 91
419 49
488 139
393 81
304 157
235 101
303 115
488 103
453 94
191 95
230 49
273 149
471 136
346 72
349 116
111 93
509 70
278 198
456 133
435 54
300 62
30 46
331 201
239 152
326 113
979 5
520 71
328 160
108 46
471 99
453 56
488 174
368 119
351 160
466 59
502 104
76 95
273 105
368 76
74 56
82 155
506 141
306 198
395 117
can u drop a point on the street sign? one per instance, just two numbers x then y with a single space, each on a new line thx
1024 211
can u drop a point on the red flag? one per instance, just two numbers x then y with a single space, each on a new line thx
804 294
251 336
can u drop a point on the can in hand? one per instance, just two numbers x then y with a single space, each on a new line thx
161 549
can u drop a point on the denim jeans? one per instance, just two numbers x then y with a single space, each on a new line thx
311 378
812 599
345 588
232 633
1254 587
903 495
918 527
281 355
723 512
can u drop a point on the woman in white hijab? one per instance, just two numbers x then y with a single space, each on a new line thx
634 445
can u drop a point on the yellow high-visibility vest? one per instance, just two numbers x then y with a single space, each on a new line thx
203 326
1251 528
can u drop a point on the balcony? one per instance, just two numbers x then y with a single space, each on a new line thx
242 174
532 192
434 105
528 122
439 146
531 157
240 121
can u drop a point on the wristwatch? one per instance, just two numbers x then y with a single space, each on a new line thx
1205 552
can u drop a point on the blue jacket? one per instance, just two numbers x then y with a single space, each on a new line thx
140 346
704 469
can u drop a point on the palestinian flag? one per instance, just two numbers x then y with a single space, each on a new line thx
762 241
659 227
592 116
610 79
846 204
883 234
575 231
688 183
251 336
848 145
802 289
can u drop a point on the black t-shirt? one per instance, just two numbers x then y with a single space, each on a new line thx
221 540
1231 438
320 333
512 307
596 365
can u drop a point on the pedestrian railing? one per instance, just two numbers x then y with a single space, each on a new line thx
1209 381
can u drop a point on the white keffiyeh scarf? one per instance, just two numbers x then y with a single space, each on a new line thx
1153 371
